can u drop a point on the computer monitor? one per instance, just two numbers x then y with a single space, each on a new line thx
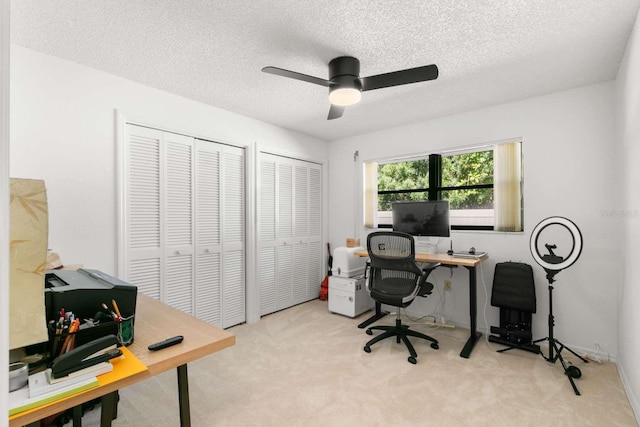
424 218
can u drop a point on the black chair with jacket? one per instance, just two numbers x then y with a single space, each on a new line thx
395 279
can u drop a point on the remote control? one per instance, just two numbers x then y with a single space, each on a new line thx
166 343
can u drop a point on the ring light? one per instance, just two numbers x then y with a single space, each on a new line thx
552 264
543 260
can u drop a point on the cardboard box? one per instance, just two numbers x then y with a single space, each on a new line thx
29 239
352 242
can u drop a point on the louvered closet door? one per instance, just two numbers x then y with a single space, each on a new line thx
315 253
185 223
178 224
220 239
284 240
301 232
289 231
233 225
208 295
267 224
145 266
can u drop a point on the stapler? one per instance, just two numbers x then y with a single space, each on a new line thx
85 356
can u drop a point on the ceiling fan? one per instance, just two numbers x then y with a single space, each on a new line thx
346 86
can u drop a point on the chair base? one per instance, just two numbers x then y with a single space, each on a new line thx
402 333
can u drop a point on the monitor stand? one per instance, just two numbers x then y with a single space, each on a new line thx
426 244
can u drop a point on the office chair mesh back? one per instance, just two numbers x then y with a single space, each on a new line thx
395 279
394 273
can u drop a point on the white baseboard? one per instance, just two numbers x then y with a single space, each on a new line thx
633 399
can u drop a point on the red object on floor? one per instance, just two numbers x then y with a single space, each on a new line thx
324 289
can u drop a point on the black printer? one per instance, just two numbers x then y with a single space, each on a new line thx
84 291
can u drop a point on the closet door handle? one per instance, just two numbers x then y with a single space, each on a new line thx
177 253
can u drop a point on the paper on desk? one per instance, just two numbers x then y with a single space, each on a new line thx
124 366
20 401
42 382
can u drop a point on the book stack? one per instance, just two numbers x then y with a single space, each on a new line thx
43 388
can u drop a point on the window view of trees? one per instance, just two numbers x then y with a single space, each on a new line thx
464 177
468 169
460 170
409 175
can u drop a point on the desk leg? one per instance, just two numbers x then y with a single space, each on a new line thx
106 413
183 396
379 314
473 311
77 416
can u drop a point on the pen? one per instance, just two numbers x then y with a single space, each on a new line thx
56 341
115 307
113 315
68 341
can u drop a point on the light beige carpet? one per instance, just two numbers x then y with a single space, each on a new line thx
306 367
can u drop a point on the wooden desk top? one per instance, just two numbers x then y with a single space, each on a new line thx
154 322
442 258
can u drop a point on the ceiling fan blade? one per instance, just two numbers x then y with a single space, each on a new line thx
403 77
298 76
335 112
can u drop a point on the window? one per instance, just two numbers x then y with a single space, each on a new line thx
482 184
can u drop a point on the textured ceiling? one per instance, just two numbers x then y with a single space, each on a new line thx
488 52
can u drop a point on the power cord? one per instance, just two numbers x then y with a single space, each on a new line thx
440 316
484 310
594 357
416 320
433 315
439 311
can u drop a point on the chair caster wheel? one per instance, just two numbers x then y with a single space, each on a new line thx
369 332
367 349
435 346
573 372
412 360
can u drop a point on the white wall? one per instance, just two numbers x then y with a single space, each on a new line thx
570 170
4 204
628 114
63 131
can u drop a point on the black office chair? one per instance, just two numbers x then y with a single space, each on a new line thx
395 279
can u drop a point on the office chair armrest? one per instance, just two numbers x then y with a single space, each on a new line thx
427 269
426 287
367 271
430 266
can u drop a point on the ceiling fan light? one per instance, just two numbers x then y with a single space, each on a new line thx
345 96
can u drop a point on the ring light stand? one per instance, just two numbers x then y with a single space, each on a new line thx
553 264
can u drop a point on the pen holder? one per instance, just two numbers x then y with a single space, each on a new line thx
58 340
125 330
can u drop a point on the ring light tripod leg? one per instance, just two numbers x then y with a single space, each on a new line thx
569 370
